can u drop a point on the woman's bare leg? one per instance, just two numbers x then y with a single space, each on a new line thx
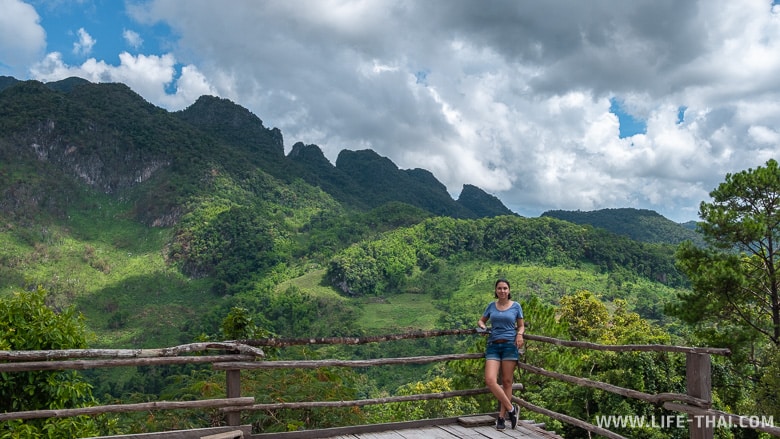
507 380
499 391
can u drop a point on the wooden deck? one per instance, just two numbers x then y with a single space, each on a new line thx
470 427
465 427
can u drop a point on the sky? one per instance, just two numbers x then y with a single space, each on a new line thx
548 105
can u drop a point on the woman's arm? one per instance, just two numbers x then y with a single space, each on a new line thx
519 340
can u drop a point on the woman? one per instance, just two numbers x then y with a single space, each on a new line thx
506 337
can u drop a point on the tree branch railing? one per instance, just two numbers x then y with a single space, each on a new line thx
238 355
367 401
316 364
567 419
655 399
228 346
124 362
282 342
629 347
127 408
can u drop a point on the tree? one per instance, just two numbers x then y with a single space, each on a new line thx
590 319
735 279
26 323
239 325
435 408
586 315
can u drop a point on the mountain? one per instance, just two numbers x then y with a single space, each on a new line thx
381 178
163 228
157 224
108 137
324 175
235 125
7 81
638 224
482 203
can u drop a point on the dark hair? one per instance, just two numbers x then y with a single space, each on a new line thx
509 296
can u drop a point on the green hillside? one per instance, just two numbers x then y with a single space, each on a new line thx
158 226
132 213
639 224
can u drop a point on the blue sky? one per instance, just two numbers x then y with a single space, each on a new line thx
547 105
100 22
628 124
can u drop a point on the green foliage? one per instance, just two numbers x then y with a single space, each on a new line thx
26 323
330 231
243 229
238 242
238 325
767 395
585 314
430 409
589 319
292 312
398 313
266 386
638 224
296 313
735 299
736 279
203 201
373 266
325 384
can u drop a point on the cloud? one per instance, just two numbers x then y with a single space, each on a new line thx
146 75
85 43
22 38
764 135
132 38
512 96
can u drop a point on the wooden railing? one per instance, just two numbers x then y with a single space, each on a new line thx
235 356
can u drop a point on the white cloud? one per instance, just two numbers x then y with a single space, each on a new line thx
146 75
22 38
85 43
132 38
514 96
764 135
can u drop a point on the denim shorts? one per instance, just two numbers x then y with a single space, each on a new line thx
501 351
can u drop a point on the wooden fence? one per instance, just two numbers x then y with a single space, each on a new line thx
235 356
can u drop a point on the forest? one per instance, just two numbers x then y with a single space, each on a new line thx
143 229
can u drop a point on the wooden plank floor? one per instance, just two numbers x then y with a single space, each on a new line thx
453 431
466 427
450 428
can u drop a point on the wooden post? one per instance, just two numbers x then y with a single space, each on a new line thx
698 368
233 377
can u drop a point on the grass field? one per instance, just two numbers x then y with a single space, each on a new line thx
377 314
399 312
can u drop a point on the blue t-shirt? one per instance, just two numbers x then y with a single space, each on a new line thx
503 323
